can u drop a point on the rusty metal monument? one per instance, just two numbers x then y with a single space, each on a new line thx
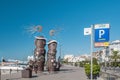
51 55
39 53
38 63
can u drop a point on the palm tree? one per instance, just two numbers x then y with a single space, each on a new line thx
114 57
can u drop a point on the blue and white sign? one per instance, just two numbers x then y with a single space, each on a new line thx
101 32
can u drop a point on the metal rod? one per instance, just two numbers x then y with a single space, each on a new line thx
105 58
91 50
60 52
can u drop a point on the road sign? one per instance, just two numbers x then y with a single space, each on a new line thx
101 32
87 31
101 44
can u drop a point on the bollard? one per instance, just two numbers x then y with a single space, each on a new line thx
10 73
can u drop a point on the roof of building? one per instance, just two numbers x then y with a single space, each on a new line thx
116 41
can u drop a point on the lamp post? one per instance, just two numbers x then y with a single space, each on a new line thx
60 52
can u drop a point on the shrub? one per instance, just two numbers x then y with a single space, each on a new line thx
81 64
87 69
76 64
96 69
95 72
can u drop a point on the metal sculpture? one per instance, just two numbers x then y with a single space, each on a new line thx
34 29
39 54
51 56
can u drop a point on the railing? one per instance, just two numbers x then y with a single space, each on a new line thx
9 73
110 73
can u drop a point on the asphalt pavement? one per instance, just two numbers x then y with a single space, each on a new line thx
67 72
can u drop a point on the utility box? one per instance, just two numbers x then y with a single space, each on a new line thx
27 73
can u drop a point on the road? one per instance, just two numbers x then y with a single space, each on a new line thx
67 72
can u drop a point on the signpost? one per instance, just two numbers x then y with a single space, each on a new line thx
91 51
101 34
89 31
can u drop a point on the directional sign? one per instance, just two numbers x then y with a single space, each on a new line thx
101 32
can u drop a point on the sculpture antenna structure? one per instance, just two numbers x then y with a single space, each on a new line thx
54 32
39 28
33 29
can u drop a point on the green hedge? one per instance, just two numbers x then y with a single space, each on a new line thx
96 69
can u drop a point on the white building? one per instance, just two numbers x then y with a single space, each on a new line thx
69 57
72 58
115 45
103 54
78 59
102 57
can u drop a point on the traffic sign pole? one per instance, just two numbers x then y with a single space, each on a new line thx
91 50
89 31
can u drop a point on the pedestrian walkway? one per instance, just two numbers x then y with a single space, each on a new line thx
110 74
67 72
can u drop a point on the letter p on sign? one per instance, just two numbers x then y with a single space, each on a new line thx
101 33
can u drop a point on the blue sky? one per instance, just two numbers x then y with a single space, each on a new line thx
70 16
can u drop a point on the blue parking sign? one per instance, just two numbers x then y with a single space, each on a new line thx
102 35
